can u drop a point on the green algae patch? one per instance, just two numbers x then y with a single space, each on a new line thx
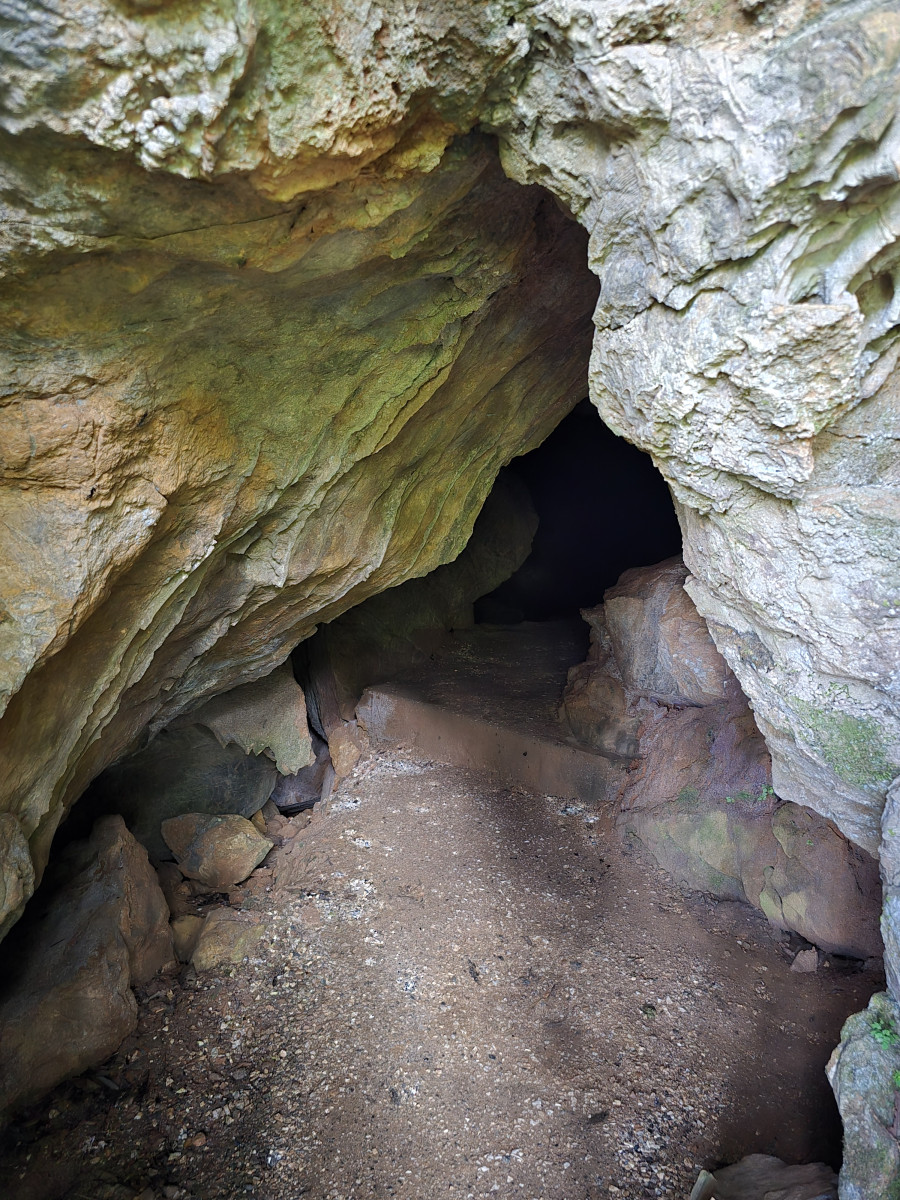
852 746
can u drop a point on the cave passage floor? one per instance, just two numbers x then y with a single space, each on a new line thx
465 991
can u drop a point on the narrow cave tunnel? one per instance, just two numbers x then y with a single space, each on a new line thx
602 508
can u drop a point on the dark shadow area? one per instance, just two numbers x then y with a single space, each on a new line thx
603 507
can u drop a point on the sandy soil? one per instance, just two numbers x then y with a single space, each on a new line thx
464 991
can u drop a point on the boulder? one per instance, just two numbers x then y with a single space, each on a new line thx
219 851
186 932
265 717
184 770
763 1177
794 865
864 1072
309 784
66 1001
691 754
806 962
226 938
346 744
594 705
647 641
698 790
822 885
660 642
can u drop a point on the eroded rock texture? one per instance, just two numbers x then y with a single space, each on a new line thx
228 416
270 333
740 189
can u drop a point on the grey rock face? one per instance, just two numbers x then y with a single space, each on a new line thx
741 192
864 1072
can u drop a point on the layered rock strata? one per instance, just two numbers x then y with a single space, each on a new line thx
210 445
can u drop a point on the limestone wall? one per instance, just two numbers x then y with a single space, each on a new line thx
269 339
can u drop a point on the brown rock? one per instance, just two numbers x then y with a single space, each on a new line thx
186 932
346 743
217 851
822 885
175 889
806 962
184 769
265 717
310 783
67 1003
226 937
660 642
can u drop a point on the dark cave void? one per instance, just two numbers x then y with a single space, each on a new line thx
603 507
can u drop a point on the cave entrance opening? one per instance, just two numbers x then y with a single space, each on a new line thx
470 663
602 507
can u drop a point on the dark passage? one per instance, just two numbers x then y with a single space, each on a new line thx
603 508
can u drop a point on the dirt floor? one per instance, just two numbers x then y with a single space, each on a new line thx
463 991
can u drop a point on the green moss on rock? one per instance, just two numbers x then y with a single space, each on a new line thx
852 746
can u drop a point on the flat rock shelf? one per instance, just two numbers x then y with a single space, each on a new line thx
489 701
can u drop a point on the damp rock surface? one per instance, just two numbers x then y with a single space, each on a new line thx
459 989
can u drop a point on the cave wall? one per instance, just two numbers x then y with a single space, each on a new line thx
740 186
206 453
271 332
